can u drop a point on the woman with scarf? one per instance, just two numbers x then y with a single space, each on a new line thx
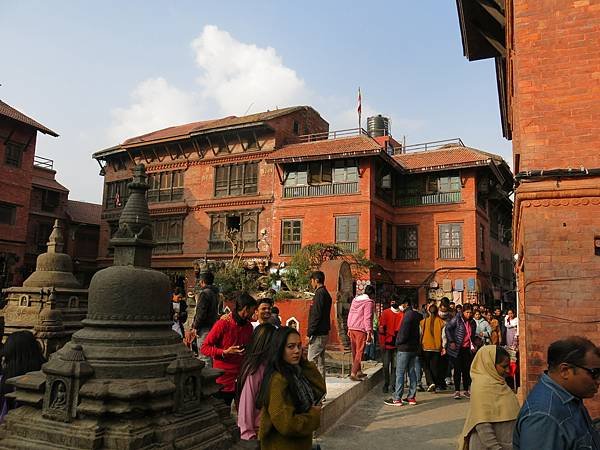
494 407
248 384
290 396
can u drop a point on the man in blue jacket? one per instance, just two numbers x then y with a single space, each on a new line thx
554 416
408 341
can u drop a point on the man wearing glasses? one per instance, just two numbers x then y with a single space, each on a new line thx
553 416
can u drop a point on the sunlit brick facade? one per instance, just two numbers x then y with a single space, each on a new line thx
435 223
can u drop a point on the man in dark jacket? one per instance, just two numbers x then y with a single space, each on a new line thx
207 311
318 321
408 341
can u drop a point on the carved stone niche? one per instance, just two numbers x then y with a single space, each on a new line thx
65 373
185 374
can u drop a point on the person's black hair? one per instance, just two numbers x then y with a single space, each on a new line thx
501 355
318 276
395 298
276 363
256 354
571 350
22 354
208 277
369 290
243 299
467 307
514 311
265 300
433 313
274 310
445 301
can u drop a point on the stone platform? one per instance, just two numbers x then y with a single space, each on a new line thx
343 394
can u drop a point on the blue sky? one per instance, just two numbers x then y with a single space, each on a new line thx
97 73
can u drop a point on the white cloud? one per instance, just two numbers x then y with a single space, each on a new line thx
155 105
236 75
235 78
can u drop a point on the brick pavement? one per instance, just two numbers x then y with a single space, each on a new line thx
433 424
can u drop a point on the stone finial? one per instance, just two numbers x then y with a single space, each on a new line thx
56 242
133 240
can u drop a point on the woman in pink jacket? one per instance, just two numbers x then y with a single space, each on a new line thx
360 329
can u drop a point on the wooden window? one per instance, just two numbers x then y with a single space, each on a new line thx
165 186
450 241
320 172
246 223
407 242
345 171
236 179
481 242
13 154
296 175
8 214
50 200
296 128
388 240
168 235
291 236
346 232
378 238
42 236
116 194
495 260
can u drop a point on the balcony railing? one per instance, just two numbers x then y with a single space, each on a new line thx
165 195
290 248
225 246
44 163
166 248
439 198
320 190
351 247
407 253
451 253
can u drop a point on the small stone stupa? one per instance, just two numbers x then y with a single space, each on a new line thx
51 304
125 380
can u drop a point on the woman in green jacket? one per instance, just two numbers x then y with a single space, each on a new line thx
290 396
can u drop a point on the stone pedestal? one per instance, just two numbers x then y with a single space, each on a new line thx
51 304
125 380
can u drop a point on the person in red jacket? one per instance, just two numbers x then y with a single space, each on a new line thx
226 343
389 324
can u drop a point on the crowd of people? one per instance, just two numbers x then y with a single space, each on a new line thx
276 386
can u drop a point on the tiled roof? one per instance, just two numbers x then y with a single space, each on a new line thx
446 156
83 212
335 148
199 127
9 111
48 183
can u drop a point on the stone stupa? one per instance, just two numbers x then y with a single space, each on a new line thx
51 303
125 380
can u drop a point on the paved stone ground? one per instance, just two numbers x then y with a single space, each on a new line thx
433 424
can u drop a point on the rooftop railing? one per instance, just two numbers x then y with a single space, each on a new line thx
332 135
44 163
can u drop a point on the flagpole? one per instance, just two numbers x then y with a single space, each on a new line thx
359 111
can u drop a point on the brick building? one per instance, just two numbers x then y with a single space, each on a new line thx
435 222
548 72
31 199
17 151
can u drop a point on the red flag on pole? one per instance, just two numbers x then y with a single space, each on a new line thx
359 109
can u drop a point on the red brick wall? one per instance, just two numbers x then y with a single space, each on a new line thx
553 49
15 188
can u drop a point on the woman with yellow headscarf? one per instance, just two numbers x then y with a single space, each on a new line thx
494 407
